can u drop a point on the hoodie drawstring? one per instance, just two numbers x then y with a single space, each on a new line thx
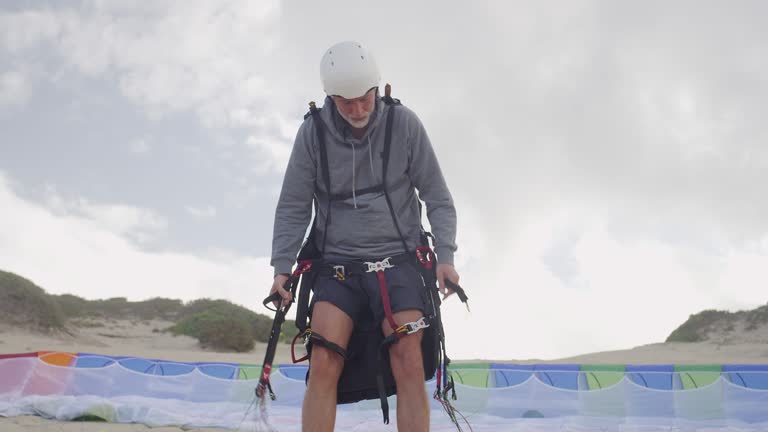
370 158
354 198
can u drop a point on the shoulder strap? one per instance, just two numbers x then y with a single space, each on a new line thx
315 113
388 99
393 103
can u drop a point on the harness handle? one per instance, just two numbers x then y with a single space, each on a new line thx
274 335
458 290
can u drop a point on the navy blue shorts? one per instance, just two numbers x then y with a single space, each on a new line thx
359 295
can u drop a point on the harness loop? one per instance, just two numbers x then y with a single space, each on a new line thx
425 256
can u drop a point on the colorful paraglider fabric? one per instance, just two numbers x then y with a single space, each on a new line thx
490 396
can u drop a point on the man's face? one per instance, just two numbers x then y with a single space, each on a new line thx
357 111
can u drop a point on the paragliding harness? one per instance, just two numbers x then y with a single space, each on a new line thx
368 349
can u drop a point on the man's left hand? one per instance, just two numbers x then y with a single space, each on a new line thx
446 271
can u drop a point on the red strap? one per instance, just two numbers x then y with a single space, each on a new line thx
302 268
293 349
385 300
265 373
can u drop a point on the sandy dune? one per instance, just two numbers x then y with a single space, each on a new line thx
129 338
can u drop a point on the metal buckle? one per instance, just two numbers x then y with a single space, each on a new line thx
379 265
413 327
339 272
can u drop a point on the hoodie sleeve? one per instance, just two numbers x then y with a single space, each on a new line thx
294 207
426 175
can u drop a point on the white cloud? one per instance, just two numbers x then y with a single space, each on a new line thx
214 60
178 55
14 88
131 222
626 291
206 212
23 30
271 143
140 146
83 249
269 155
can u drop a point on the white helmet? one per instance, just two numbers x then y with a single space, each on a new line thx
348 70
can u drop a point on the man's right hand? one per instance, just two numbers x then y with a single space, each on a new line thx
277 286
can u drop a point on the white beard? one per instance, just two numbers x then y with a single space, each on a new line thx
355 124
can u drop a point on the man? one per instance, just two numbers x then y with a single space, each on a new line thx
359 220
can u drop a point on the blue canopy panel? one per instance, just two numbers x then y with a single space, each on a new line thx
158 367
296 372
749 376
657 377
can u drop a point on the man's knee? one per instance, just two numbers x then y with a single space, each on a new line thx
406 357
325 364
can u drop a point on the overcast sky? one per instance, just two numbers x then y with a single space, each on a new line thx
608 159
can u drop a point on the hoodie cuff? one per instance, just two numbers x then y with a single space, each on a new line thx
444 255
282 266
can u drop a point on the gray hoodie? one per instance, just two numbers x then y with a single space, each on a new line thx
361 226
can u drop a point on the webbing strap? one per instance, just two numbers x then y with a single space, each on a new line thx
385 300
347 195
319 340
385 161
324 161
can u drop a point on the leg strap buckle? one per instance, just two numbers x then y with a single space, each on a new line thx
379 265
413 327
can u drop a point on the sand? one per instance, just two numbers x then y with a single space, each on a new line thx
130 338
37 424
146 339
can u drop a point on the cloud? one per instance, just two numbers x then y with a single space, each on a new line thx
86 250
131 222
140 146
23 30
619 291
269 155
14 88
171 56
217 61
207 212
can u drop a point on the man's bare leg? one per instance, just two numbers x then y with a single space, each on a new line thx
408 370
318 413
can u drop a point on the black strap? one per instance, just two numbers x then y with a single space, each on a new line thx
385 161
342 196
319 340
324 161
380 376
302 303
347 195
